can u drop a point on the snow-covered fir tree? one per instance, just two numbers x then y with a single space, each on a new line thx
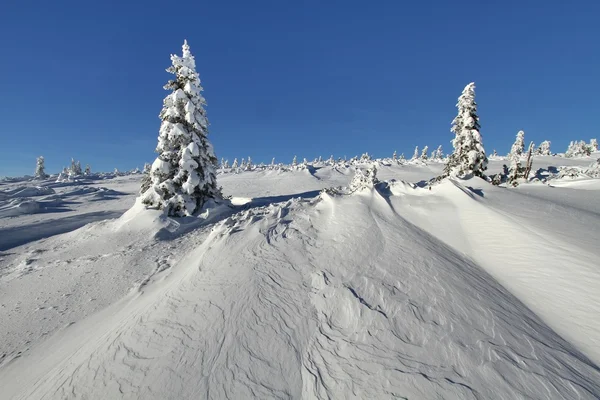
320 160
273 163
226 164
416 153
424 153
363 179
249 164
235 164
116 172
365 157
88 170
63 176
495 153
402 158
331 160
439 154
468 157
183 175
40 168
243 164
518 146
395 156
295 162
594 144
544 149
515 170
146 178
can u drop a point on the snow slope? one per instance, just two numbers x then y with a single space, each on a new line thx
463 291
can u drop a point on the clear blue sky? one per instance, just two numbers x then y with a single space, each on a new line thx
84 79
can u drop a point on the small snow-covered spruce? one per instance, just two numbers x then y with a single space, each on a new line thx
320 160
424 153
88 170
146 178
226 164
63 176
363 179
395 156
235 164
295 162
40 168
439 154
544 149
331 160
75 169
243 164
416 153
305 162
183 175
495 153
468 157
365 157
593 170
402 158
518 146
594 144
249 164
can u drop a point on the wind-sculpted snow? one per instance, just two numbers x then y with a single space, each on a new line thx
332 297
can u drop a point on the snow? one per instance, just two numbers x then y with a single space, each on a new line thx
461 290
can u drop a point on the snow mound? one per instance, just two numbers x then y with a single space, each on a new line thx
26 191
19 206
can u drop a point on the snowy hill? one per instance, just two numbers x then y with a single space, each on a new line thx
464 290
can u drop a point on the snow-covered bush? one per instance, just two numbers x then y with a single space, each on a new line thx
40 168
468 157
88 170
63 176
363 179
593 170
544 149
183 175
594 144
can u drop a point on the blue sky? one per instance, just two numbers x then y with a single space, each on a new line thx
84 79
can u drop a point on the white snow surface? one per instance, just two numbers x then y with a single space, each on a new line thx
463 291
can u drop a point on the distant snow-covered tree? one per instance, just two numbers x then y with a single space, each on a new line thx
295 161
495 153
88 170
320 160
578 149
468 157
249 164
402 158
364 179
395 156
439 154
305 162
515 170
518 146
235 164
40 168
544 149
424 153
226 164
365 157
529 162
183 175
331 160
416 153
273 163
116 172
146 178
594 144
75 169
63 176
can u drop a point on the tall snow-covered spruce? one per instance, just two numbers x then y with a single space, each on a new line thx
468 158
40 169
183 176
